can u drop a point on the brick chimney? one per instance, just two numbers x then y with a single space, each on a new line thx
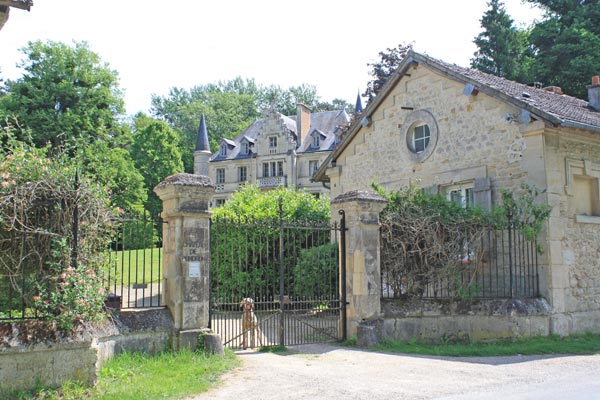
594 93
302 122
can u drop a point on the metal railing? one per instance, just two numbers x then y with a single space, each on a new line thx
502 264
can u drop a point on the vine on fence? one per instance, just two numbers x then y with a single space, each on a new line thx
37 200
426 238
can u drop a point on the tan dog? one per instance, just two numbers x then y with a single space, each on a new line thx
249 324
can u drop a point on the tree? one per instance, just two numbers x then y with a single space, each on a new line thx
65 92
246 251
229 107
501 46
381 70
566 44
156 156
115 170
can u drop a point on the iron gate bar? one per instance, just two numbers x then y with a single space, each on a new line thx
248 268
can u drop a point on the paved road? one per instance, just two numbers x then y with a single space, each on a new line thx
328 372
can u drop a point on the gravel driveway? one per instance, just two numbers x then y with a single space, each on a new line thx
329 372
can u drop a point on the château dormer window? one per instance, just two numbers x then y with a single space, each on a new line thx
316 141
245 148
223 150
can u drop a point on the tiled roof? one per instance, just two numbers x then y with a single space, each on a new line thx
325 122
557 108
553 108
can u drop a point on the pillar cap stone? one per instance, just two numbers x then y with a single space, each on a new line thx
360 196
184 179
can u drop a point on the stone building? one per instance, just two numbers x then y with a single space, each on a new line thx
276 150
467 134
5 6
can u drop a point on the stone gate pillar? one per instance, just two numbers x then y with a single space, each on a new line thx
186 253
363 272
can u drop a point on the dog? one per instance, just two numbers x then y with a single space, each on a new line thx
249 324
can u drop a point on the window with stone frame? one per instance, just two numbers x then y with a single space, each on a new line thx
583 189
219 202
245 148
272 141
418 138
461 194
242 174
223 150
220 175
313 166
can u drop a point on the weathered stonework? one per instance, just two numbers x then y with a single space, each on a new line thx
186 248
363 274
482 137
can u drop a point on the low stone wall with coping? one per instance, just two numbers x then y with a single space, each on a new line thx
441 320
34 353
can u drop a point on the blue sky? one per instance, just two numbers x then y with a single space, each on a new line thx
156 45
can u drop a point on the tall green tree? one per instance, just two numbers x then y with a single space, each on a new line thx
501 47
65 92
114 169
156 156
382 69
566 44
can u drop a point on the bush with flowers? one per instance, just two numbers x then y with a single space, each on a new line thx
38 267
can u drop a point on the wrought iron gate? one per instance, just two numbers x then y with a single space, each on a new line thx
290 270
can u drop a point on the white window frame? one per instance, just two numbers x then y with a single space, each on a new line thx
242 174
420 137
245 148
313 166
220 178
272 142
466 192
223 150
316 142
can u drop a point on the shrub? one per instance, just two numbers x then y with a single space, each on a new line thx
38 196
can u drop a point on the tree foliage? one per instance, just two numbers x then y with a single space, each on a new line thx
65 92
381 70
246 251
37 199
156 156
502 48
561 50
566 44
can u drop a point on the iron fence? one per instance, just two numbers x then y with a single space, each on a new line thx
289 270
501 264
134 279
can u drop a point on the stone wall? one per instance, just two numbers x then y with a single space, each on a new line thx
436 321
34 353
475 139
572 244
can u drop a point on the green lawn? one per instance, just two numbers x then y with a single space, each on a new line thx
131 266
574 344
135 376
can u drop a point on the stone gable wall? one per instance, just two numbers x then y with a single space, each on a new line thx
474 138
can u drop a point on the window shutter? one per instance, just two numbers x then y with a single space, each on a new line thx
432 190
482 193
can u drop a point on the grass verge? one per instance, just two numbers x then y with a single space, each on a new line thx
136 266
169 375
575 344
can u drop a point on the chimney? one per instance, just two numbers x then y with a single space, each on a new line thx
554 89
302 122
594 93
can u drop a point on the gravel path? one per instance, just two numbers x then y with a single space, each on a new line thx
329 372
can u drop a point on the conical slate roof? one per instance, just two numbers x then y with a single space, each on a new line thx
202 143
